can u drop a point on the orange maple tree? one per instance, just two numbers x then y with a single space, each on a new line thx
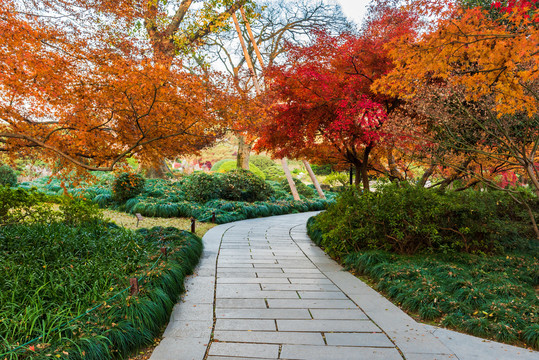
104 81
480 64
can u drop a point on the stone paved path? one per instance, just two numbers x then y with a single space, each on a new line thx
265 291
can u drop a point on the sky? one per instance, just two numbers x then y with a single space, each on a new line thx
354 9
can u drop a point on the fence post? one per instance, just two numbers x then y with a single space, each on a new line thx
213 217
164 252
193 225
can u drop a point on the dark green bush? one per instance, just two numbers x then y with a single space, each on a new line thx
303 189
407 219
127 186
243 185
7 176
201 187
325 169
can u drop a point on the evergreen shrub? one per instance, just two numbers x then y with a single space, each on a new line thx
243 185
407 219
7 176
201 187
127 186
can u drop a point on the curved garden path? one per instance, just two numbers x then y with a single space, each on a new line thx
263 290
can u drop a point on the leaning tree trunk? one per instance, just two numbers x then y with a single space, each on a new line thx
291 182
244 152
314 179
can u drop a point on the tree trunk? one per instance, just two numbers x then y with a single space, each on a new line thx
244 152
155 170
314 179
426 175
291 182
364 169
357 180
393 169
533 178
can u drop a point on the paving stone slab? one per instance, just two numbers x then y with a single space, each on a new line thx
188 329
338 314
253 280
270 337
190 311
311 304
262 294
291 275
335 295
300 287
240 303
262 313
244 350
306 352
243 324
300 280
359 339
180 349
327 325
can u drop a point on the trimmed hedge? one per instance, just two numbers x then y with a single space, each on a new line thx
127 186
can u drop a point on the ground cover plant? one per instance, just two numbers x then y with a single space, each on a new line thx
64 286
464 260
231 196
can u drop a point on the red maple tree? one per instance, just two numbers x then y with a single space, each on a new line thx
323 105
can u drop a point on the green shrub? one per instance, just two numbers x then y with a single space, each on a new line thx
7 176
219 163
272 170
201 187
127 186
325 169
262 162
243 185
76 211
407 219
19 205
231 165
303 189
338 179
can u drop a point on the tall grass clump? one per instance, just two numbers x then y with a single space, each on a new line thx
53 273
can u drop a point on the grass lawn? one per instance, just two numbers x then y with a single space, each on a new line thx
129 221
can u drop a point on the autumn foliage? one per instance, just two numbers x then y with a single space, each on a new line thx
323 105
96 86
